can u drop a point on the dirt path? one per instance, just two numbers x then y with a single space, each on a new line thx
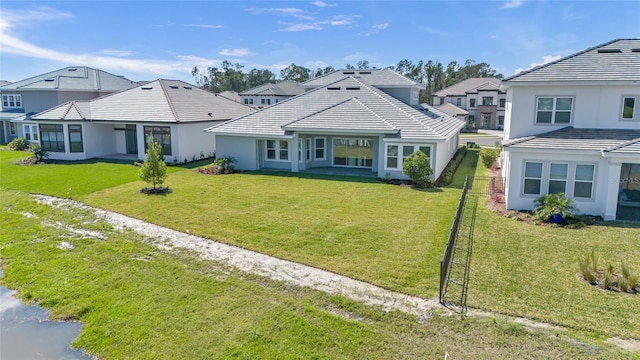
260 264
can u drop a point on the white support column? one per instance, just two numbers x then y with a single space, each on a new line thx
294 153
612 189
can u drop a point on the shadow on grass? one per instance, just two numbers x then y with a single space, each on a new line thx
627 224
315 176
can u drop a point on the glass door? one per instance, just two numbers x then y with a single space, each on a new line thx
353 152
131 139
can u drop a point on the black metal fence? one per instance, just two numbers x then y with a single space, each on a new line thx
445 263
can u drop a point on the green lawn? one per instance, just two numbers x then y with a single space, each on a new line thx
138 302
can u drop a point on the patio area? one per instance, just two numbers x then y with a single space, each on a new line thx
340 171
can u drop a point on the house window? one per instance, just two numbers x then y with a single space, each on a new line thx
472 103
11 101
31 133
554 110
487 100
486 121
532 177
583 185
393 161
502 102
320 148
12 129
308 149
277 150
75 138
248 101
500 120
458 101
265 101
558 178
52 137
299 149
161 135
628 107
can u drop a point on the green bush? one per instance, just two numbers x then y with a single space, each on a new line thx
153 170
417 167
553 204
18 144
489 156
446 177
39 152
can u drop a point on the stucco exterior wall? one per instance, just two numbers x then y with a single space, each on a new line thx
243 149
192 140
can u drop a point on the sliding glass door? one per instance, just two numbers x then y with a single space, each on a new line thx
353 152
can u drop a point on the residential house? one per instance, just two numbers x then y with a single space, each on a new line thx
270 93
175 113
481 97
343 121
573 126
455 111
24 98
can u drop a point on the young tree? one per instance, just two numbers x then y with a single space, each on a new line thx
154 170
416 166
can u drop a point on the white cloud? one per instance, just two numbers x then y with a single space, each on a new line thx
114 52
381 26
512 4
293 12
235 52
207 26
300 27
11 18
320 3
545 60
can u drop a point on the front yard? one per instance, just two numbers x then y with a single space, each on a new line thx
387 235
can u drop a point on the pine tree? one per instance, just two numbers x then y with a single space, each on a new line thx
154 170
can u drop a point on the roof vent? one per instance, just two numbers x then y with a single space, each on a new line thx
188 87
73 69
635 50
609 51
352 88
50 79
146 88
333 88
348 72
364 72
174 87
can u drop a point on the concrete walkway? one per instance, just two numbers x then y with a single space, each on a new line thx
252 262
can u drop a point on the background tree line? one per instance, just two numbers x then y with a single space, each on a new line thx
230 76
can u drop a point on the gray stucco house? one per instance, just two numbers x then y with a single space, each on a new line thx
26 97
365 119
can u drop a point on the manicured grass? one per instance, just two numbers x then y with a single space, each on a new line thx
384 234
138 302
531 271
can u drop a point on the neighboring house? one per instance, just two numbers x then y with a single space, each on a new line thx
117 125
24 98
450 109
270 93
231 95
573 127
481 97
343 122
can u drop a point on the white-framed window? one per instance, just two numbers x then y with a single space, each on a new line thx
532 178
554 110
458 101
500 120
558 174
31 133
300 149
628 107
75 139
13 130
583 184
487 100
265 101
248 101
277 150
307 149
320 153
397 153
11 101
472 103
502 103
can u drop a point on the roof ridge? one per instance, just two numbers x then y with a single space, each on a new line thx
66 112
82 115
169 100
620 146
559 60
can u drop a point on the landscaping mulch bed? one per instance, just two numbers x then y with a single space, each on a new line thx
158 190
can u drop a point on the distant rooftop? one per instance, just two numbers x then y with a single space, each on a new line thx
449 108
73 78
616 60
281 88
470 86
377 77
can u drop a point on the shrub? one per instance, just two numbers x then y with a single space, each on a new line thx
553 204
154 170
446 177
417 167
38 152
18 144
588 266
489 156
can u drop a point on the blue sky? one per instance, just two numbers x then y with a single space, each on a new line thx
146 40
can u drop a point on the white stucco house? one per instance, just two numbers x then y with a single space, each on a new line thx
573 126
270 93
363 119
175 113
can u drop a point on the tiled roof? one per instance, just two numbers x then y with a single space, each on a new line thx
377 77
282 88
471 85
569 138
157 101
347 104
616 60
78 78
452 110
